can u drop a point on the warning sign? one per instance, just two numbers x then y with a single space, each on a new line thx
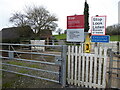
75 22
98 25
75 28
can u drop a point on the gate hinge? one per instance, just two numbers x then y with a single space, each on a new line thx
58 60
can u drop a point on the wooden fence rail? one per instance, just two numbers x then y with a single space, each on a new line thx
85 69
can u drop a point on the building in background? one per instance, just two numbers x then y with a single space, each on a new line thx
16 34
24 34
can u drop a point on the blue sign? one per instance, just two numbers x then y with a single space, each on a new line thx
104 39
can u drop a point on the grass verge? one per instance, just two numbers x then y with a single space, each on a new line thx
61 36
115 38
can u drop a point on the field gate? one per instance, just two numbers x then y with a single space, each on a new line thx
59 60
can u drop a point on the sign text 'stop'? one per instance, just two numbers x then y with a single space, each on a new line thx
75 22
98 25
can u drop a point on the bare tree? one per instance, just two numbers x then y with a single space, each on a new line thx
18 19
37 17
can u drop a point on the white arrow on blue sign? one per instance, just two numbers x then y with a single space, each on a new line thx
104 38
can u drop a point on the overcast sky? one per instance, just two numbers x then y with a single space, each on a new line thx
62 9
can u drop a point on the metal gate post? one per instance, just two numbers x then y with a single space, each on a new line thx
11 54
63 66
118 47
110 54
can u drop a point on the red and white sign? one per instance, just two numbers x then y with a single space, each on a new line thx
98 25
75 22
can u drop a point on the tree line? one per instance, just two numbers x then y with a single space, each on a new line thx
113 29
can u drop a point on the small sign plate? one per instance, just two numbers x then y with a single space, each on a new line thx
75 35
104 38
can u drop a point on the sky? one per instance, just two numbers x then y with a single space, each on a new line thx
62 9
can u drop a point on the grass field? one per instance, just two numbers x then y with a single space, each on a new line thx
112 38
61 36
115 38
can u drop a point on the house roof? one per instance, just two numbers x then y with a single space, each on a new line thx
14 32
46 34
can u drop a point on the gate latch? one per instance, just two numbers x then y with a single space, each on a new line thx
58 60
108 52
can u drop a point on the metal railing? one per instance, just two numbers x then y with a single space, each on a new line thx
59 60
114 69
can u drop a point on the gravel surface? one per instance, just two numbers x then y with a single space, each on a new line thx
10 80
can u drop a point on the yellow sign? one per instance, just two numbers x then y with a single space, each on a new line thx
87 47
87 44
